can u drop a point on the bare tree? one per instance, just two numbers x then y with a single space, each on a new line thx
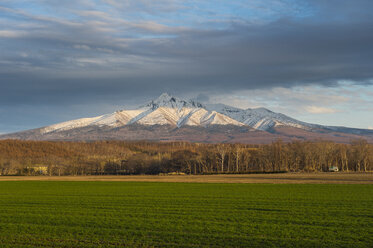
222 150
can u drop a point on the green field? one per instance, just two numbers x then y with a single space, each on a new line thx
134 214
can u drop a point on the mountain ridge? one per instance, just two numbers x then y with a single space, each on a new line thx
176 113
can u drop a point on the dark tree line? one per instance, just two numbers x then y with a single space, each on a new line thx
119 158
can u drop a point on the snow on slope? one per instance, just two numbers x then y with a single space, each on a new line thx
165 110
70 124
174 111
203 117
116 119
162 116
260 118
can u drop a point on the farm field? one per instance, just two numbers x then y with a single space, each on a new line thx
155 214
315 178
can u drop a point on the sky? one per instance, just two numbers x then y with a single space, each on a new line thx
62 60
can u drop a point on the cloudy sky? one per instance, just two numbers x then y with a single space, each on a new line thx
310 59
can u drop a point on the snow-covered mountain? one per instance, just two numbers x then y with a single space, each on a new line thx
260 118
165 110
179 119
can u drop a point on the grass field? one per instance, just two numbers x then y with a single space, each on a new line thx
149 214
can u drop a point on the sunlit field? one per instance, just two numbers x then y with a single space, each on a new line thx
148 214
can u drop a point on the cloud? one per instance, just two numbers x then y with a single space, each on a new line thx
202 98
285 52
293 100
10 34
320 110
147 6
83 47
117 51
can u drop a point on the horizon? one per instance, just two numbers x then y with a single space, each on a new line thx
207 106
310 60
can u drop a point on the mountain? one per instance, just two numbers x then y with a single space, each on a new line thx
171 118
165 110
261 118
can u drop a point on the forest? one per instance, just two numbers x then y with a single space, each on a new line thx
125 158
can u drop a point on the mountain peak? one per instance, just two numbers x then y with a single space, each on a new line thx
164 96
167 100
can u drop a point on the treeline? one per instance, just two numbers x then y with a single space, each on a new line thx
122 158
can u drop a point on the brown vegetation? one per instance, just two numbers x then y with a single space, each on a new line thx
277 178
124 158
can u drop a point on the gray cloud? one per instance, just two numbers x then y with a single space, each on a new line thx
281 54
